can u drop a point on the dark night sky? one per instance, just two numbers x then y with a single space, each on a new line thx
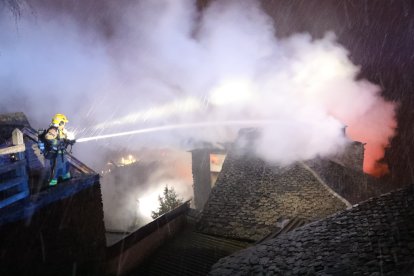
378 33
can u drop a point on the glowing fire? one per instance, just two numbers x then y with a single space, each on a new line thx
374 148
127 161
216 162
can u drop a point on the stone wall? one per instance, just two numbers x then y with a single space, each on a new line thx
373 238
250 196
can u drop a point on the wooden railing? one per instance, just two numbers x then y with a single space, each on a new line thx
13 176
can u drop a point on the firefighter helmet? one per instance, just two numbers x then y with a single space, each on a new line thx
59 119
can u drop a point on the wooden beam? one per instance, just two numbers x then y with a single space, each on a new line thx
17 137
12 166
13 149
18 143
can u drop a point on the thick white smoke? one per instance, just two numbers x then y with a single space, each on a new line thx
168 63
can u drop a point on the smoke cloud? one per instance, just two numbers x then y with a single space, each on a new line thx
131 192
166 62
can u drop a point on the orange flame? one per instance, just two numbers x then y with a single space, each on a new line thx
376 141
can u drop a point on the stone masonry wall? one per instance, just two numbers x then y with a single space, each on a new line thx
373 238
250 196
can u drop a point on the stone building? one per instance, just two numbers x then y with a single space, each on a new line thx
254 201
253 204
252 197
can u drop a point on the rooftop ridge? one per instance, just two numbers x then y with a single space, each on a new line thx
346 202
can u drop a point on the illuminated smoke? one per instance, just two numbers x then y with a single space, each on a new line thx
167 110
170 65
131 192
165 63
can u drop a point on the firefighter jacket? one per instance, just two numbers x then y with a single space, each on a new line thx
55 138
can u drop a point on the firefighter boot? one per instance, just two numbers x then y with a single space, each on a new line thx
53 182
67 176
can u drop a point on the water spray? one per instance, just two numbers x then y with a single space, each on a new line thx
177 126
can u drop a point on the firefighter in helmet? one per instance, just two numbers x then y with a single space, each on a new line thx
57 141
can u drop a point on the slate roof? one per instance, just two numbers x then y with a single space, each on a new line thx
251 196
373 238
190 253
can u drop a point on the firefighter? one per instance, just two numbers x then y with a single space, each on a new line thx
57 142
